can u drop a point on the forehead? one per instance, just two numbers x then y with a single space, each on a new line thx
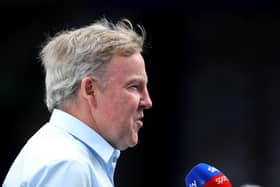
125 68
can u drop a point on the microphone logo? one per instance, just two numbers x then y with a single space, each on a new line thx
212 169
193 184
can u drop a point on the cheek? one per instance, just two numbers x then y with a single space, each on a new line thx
125 105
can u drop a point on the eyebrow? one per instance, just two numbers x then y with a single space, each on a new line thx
138 79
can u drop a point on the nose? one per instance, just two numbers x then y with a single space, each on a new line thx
146 101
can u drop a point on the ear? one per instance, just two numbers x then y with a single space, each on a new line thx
88 90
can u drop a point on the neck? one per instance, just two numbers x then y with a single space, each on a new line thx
81 111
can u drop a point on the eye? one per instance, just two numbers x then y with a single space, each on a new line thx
134 87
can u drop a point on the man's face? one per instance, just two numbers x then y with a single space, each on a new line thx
119 107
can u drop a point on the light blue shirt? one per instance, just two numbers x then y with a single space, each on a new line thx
64 152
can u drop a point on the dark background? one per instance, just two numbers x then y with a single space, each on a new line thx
214 78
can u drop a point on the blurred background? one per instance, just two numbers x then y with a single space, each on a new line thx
214 78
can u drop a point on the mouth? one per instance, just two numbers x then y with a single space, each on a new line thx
139 121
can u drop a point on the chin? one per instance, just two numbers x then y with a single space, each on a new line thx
133 143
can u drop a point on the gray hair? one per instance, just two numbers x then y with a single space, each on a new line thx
71 55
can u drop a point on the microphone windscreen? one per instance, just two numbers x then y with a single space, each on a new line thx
205 175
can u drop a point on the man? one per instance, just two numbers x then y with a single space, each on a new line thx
96 90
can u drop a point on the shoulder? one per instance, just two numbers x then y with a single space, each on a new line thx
56 173
51 144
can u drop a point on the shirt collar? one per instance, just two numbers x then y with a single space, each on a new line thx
84 133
